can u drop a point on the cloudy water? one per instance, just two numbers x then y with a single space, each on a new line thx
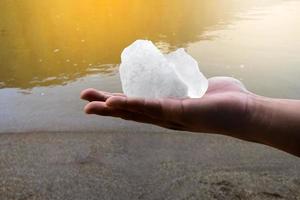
51 50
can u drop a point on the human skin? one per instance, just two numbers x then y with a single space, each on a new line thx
227 108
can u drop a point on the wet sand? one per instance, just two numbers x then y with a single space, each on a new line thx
142 165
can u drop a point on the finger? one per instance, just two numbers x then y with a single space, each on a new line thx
166 110
100 108
95 95
138 117
142 118
220 83
150 107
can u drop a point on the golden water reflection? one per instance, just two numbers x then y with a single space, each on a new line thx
53 42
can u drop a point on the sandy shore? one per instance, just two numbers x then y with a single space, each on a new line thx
122 165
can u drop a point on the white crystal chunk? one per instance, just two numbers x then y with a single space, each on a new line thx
146 72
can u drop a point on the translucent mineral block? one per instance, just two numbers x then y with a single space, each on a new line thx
146 72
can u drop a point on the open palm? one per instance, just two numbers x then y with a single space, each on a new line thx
222 110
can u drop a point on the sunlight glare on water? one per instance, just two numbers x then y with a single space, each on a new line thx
45 43
68 39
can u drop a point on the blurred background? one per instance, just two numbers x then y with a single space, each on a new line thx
51 50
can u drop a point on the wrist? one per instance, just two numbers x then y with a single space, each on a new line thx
278 123
261 112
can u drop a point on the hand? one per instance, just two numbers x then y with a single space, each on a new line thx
224 109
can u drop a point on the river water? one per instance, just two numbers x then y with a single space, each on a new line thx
51 50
